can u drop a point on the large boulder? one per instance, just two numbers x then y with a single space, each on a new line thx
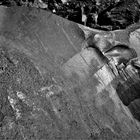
52 88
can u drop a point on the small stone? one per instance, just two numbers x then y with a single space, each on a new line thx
54 10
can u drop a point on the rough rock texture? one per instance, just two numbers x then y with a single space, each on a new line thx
51 88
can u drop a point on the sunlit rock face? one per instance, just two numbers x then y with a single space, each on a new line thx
54 88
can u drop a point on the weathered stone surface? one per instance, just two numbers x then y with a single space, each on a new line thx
53 89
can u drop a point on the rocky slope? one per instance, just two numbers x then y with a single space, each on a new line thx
53 89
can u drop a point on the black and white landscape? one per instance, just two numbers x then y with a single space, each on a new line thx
62 78
99 14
